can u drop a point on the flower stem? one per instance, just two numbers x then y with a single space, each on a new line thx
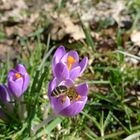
20 107
35 128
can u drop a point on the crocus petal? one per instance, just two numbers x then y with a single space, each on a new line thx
75 72
11 74
74 108
60 52
64 58
16 87
54 62
73 54
26 81
51 86
83 64
67 82
57 104
61 71
4 93
21 69
82 89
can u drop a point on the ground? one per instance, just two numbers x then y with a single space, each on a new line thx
107 32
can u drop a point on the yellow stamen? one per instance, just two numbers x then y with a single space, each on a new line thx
63 99
78 97
70 61
17 75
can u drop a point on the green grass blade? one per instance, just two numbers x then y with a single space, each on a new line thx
92 119
49 128
88 36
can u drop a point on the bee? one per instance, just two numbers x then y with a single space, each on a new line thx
59 91
65 91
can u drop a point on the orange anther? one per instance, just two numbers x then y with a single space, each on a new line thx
70 61
63 99
78 97
17 75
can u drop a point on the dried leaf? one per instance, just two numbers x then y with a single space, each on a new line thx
75 31
135 37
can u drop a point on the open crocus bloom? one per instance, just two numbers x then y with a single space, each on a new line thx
18 80
63 105
67 65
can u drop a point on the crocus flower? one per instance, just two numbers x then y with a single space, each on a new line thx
63 105
18 80
4 99
66 65
4 93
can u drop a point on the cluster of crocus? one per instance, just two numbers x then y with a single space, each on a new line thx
66 68
18 81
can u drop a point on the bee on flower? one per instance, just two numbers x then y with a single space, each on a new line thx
66 98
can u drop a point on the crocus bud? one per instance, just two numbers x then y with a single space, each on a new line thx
4 94
18 80
4 99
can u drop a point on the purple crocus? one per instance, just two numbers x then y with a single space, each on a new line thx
4 93
4 99
18 80
66 65
63 105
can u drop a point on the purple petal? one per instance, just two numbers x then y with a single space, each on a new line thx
83 64
75 72
26 81
16 87
57 104
73 54
54 62
60 52
51 86
67 82
74 108
11 74
82 89
64 58
4 93
61 71
21 69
